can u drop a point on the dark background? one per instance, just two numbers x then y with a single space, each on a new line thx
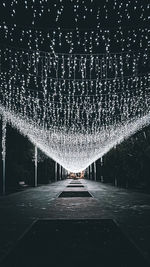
129 162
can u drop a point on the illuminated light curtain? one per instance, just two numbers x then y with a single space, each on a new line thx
67 89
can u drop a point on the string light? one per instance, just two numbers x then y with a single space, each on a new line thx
75 92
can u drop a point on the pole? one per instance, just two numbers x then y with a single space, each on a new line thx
102 178
59 172
89 173
35 165
94 170
56 171
4 154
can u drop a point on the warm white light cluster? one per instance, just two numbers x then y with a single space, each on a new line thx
81 9
73 40
102 36
64 117
75 106
74 151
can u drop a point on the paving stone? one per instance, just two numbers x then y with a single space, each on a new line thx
80 242
130 209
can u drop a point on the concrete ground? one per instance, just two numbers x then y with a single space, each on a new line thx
130 209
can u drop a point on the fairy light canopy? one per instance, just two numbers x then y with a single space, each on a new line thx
75 74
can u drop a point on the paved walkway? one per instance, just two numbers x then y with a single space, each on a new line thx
130 209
